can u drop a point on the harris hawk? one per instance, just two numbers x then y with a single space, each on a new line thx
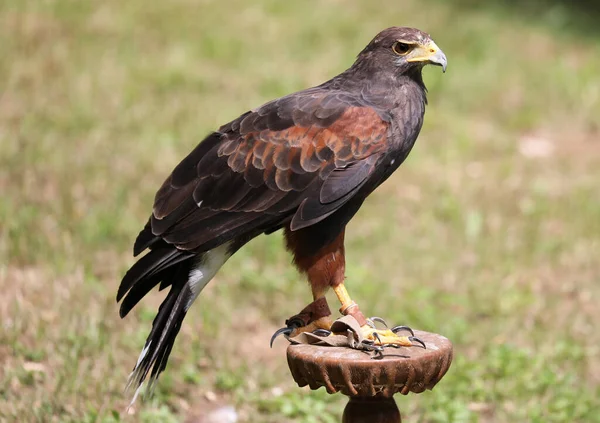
303 163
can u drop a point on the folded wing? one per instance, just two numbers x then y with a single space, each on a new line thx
298 159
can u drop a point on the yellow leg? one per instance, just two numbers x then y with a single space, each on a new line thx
379 336
343 296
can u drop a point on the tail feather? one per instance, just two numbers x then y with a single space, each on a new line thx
139 290
187 274
145 239
158 346
149 265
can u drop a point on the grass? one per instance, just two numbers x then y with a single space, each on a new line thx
489 234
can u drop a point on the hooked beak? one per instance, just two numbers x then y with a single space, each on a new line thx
429 53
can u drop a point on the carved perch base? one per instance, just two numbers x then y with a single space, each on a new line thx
371 383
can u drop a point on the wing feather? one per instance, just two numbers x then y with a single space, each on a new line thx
341 181
299 158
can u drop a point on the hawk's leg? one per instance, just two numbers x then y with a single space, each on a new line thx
385 337
315 317
321 257
322 261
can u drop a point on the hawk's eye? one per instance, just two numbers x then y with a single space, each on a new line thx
401 48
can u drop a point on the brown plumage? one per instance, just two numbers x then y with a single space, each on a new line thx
304 162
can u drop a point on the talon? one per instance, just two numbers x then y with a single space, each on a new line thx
321 332
286 331
378 355
376 336
378 319
371 323
417 340
397 329
370 346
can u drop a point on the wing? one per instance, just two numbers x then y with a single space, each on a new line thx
300 157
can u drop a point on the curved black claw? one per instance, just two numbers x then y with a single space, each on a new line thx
378 355
376 336
286 331
376 319
292 323
369 345
397 329
417 340
321 332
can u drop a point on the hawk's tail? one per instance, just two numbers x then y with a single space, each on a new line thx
165 327
188 275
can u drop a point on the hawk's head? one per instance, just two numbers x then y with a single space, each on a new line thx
402 49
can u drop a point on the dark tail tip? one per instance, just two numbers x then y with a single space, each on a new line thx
165 327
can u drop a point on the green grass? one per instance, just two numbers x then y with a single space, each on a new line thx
489 234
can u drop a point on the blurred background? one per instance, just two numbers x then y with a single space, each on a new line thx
489 234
